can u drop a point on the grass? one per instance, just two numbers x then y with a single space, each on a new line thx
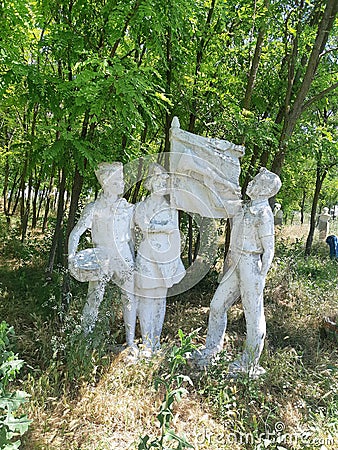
84 395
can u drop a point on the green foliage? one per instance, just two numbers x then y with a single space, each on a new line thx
94 81
173 382
12 424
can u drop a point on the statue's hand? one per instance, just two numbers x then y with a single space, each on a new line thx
71 262
264 270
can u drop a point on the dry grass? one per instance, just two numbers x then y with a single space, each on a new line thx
112 403
114 413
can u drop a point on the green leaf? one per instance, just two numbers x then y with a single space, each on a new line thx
180 439
11 402
19 425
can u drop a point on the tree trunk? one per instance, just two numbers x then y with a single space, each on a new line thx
48 200
319 182
254 65
227 234
138 181
192 118
168 115
24 220
23 195
35 199
248 175
5 193
302 205
42 200
248 95
75 195
190 240
58 227
16 198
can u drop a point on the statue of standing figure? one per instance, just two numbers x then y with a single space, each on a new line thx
112 258
278 214
251 254
324 223
158 261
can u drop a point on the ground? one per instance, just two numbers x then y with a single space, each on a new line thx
85 396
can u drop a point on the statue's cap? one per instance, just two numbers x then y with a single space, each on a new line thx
107 170
271 183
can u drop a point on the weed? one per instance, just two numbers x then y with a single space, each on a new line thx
12 424
173 382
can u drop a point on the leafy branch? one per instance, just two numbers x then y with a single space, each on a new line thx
173 383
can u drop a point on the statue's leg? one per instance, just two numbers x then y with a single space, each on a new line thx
252 286
225 296
151 312
123 276
129 307
159 314
91 308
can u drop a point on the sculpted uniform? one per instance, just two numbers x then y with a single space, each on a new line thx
251 253
111 232
158 262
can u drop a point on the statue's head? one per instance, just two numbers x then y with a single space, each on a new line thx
157 179
264 185
110 176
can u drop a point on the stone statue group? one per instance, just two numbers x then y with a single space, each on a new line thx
144 279
145 271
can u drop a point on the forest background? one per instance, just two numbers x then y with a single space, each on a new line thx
89 81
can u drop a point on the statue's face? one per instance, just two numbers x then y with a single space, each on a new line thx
114 183
110 177
159 183
254 189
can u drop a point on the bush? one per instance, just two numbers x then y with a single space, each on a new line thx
12 425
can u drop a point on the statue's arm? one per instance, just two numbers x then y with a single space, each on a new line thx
140 217
268 244
84 223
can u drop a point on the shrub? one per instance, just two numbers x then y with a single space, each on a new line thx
12 424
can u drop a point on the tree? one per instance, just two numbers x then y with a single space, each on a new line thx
325 155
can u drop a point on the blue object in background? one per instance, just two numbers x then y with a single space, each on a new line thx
332 241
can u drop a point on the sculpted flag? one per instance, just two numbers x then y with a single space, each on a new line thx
204 174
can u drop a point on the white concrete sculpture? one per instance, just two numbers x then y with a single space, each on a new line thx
204 174
203 180
278 214
251 254
324 223
112 257
158 262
